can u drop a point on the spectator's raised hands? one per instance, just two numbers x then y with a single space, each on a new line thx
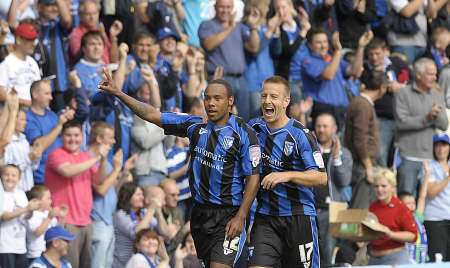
33 204
274 23
116 29
123 51
66 115
254 17
74 79
103 150
35 151
303 17
180 253
147 74
130 163
365 39
336 42
162 252
12 100
218 72
117 160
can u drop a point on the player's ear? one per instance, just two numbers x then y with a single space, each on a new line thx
230 101
286 102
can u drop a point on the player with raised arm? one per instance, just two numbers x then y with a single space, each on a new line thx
225 158
285 228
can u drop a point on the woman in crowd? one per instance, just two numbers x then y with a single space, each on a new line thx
437 207
130 218
399 225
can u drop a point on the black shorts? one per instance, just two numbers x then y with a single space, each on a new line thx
208 231
291 241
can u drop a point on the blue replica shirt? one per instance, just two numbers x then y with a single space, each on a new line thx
36 127
105 206
90 75
221 156
260 66
291 148
42 262
330 92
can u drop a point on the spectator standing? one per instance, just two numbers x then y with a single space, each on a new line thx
89 21
399 225
131 218
18 70
398 75
225 42
362 138
338 163
14 211
419 110
41 220
105 194
70 174
18 150
44 126
437 205
57 241
55 25
323 74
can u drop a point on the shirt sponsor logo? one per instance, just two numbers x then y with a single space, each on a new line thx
203 131
318 159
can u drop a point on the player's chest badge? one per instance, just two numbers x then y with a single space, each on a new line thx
227 142
288 148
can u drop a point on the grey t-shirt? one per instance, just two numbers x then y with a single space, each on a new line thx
229 54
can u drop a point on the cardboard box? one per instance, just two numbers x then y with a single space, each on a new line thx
353 224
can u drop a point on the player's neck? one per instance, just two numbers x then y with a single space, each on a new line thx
279 123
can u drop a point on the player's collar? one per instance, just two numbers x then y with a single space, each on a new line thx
278 130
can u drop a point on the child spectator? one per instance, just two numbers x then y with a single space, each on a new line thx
42 219
440 39
418 251
12 227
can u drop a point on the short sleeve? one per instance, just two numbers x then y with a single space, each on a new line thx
55 159
35 221
398 5
206 29
250 152
179 124
3 75
313 67
407 221
309 151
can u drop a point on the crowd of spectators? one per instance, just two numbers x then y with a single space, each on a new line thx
86 183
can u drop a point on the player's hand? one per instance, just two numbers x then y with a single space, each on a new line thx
273 179
234 227
107 84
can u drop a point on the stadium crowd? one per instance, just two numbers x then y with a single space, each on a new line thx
88 183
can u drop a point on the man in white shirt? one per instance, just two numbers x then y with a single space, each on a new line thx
19 70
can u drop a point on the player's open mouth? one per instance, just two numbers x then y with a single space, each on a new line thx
268 111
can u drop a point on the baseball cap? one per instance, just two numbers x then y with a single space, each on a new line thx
26 31
441 138
47 2
166 32
58 232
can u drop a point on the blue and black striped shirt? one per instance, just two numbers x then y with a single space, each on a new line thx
291 148
221 156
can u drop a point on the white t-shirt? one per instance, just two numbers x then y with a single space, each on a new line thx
36 244
13 232
19 74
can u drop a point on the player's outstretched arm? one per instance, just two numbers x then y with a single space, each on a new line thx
236 224
143 110
306 178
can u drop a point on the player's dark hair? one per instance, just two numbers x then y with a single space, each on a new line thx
223 83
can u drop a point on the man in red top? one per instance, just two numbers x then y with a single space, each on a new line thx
70 173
